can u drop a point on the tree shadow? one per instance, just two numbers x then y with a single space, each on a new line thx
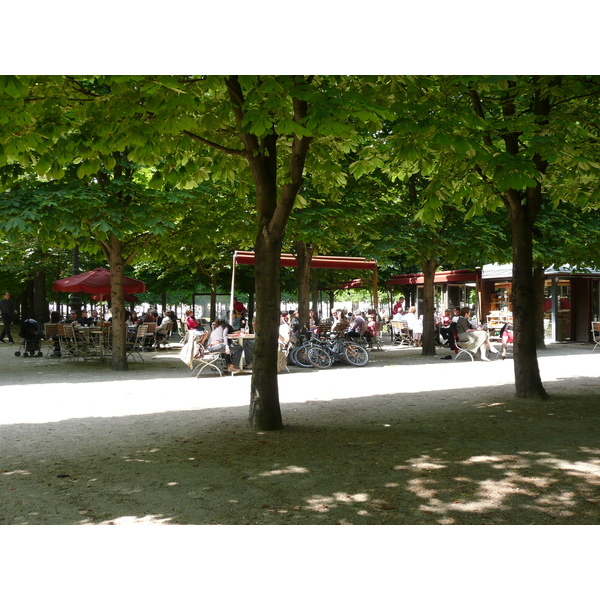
498 461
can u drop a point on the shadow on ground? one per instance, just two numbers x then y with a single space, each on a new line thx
482 461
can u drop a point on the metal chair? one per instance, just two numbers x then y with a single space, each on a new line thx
136 344
596 333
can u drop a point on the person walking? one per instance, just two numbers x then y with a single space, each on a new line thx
7 308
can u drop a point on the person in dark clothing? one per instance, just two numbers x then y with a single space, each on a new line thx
7 308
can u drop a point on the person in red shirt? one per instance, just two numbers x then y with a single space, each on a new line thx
195 328
399 306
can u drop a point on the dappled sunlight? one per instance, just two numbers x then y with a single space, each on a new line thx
531 480
284 471
423 463
131 520
16 472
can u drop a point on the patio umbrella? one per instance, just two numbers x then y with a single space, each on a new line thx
128 298
97 282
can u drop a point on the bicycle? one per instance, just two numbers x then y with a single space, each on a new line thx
323 355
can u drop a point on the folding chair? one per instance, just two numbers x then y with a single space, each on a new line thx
72 348
462 347
136 345
376 337
164 340
401 333
212 360
596 333
51 337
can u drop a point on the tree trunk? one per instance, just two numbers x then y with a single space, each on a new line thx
528 382
539 279
116 264
428 337
273 212
304 254
265 412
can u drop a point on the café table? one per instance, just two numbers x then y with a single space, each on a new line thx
240 338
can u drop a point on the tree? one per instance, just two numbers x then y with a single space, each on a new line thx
517 142
187 129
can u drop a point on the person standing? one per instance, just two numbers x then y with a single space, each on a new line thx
7 308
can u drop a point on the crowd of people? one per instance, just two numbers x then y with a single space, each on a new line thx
359 324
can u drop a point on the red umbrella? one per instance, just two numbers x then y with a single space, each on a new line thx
96 282
128 298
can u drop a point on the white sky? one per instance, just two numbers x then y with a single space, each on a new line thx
321 37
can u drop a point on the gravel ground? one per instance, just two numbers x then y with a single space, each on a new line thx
406 440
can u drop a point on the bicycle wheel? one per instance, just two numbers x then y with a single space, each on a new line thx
319 357
299 357
356 355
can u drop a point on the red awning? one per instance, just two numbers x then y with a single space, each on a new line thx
458 276
242 257
347 285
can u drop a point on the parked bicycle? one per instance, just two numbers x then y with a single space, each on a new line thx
323 354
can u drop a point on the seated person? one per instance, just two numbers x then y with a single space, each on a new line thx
54 319
73 319
371 329
84 319
195 328
131 319
161 330
357 328
94 318
466 333
444 326
285 330
507 337
217 342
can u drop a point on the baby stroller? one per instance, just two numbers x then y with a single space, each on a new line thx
32 337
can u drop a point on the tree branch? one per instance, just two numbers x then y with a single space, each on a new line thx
214 145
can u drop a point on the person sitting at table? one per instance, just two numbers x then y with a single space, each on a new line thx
94 318
358 327
195 328
466 333
131 319
84 319
371 332
149 316
162 329
444 327
55 318
73 319
217 342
